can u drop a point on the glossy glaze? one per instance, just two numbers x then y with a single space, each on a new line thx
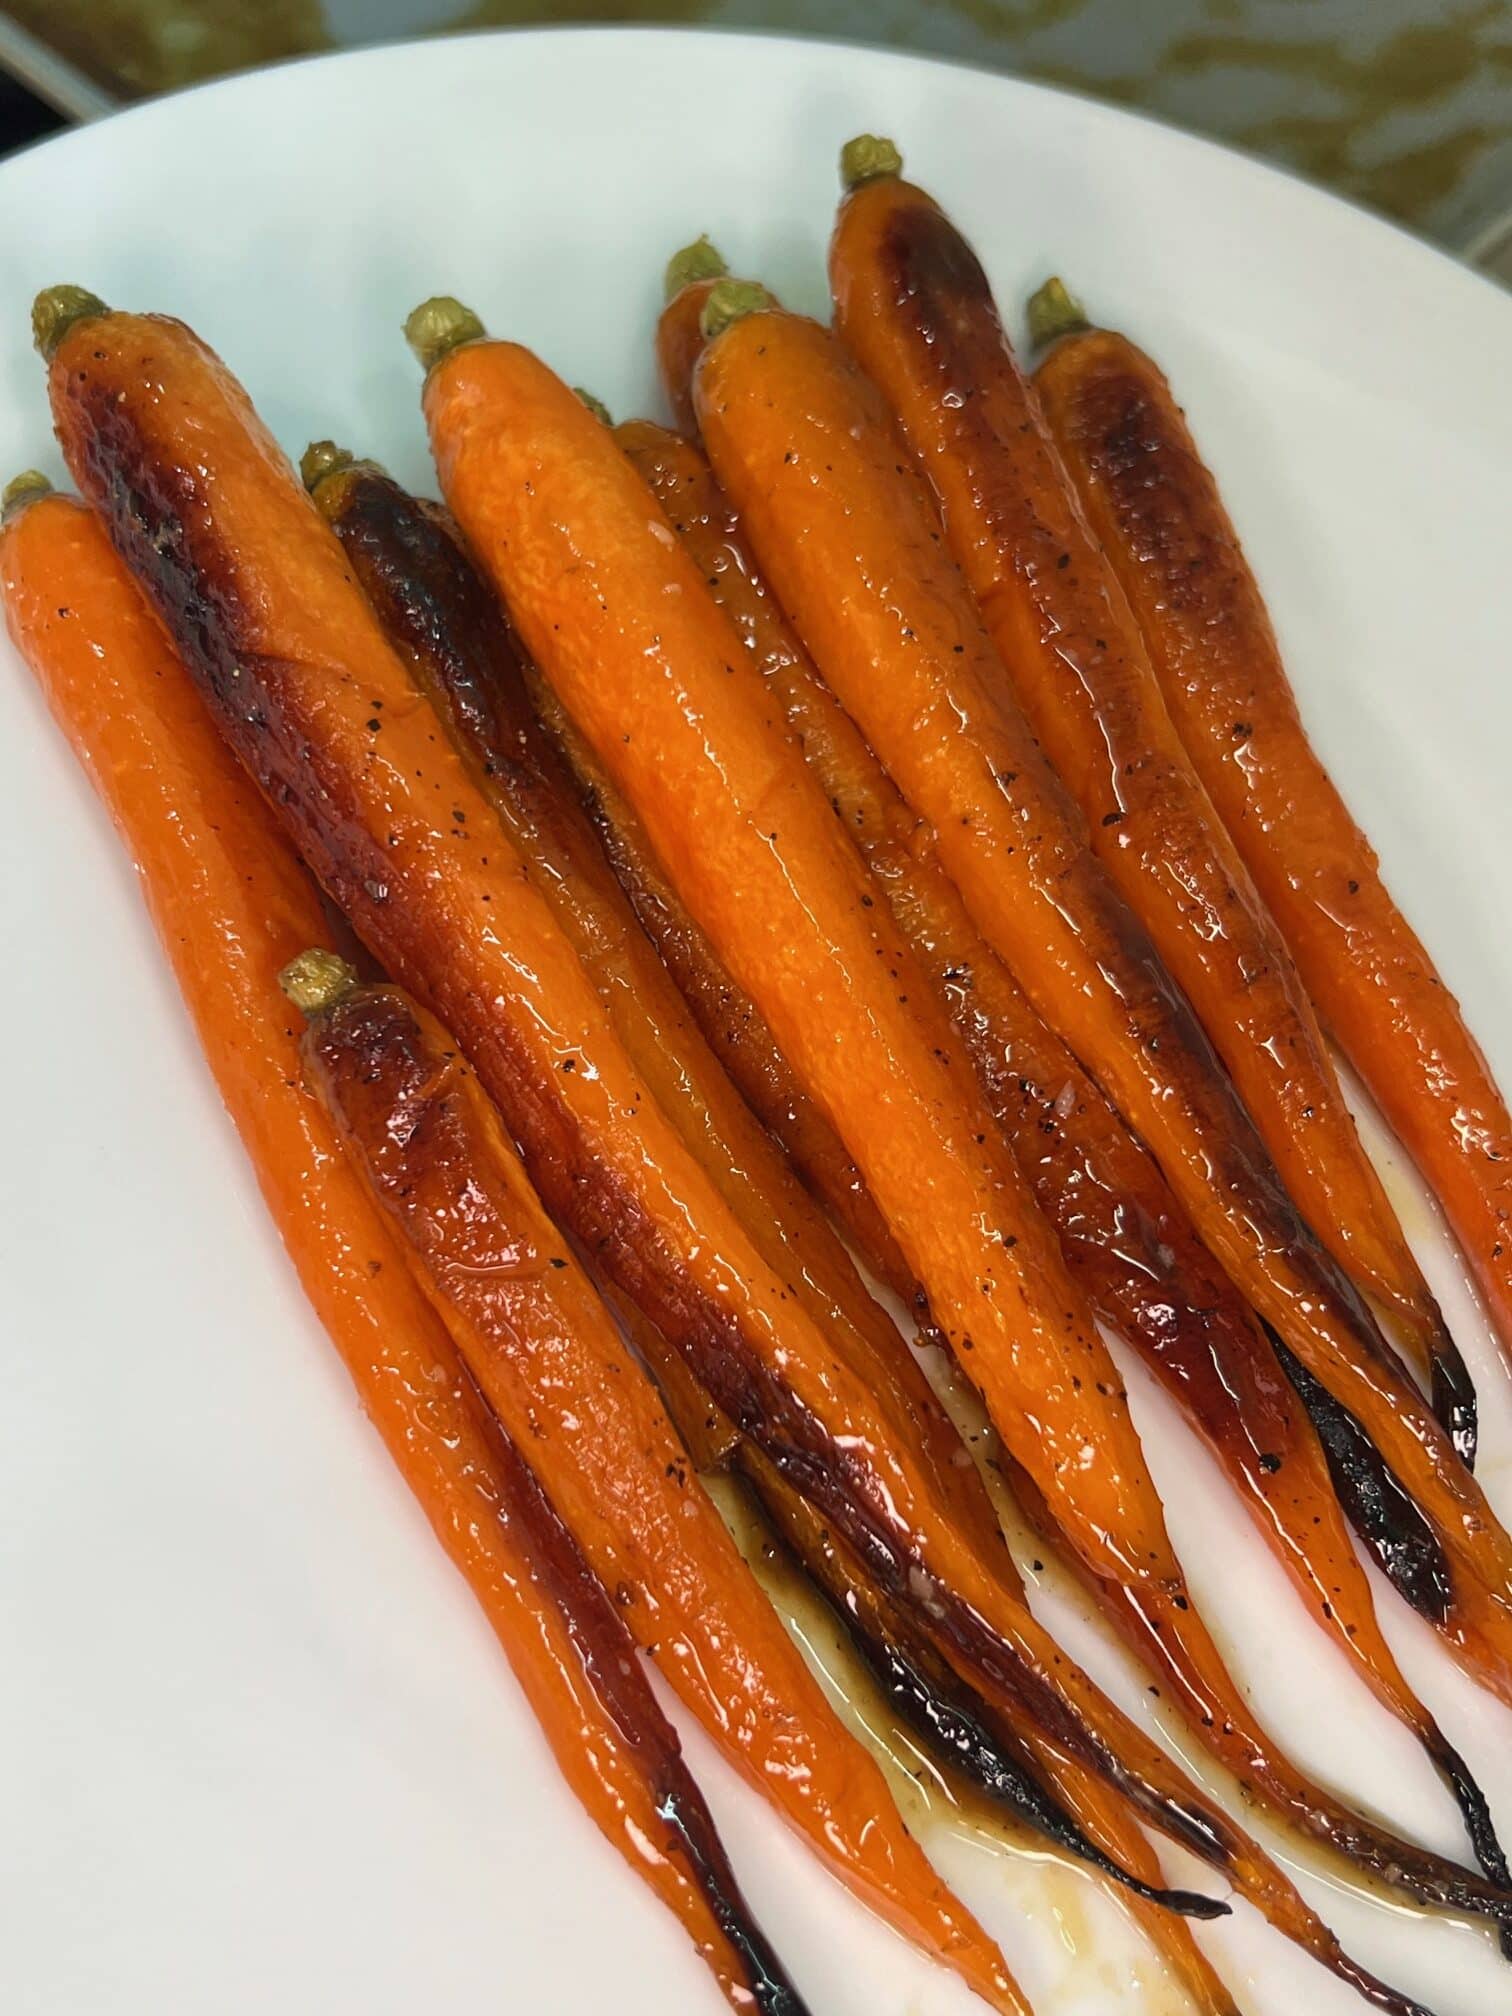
255 590
914 306
444 621
800 441
619 620
1158 512
232 905
1125 1237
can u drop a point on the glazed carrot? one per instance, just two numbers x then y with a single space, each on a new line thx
858 567
546 1355
728 1019
1158 512
444 622
690 275
650 670
256 591
1124 1235
916 311
230 901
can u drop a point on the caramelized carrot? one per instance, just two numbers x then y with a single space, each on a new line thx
257 594
799 441
1124 1235
445 623
650 670
679 338
530 1330
1158 512
916 311
230 903
729 1020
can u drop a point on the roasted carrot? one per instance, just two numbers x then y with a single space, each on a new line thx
859 568
256 591
686 731
679 338
443 620
914 307
729 1020
1157 510
529 1328
230 903
1124 1235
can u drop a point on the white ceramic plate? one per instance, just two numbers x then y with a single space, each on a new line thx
256 1749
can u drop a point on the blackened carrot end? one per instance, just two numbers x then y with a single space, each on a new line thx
55 311
22 490
317 981
729 301
595 406
868 158
1054 311
439 326
702 260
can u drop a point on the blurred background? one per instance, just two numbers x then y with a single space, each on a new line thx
1404 105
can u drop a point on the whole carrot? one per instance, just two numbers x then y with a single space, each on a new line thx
650 670
801 444
914 307
444 621
1157 510
1124 1235
259 598
230 902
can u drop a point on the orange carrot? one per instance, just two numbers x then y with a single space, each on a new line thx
679 338
915 309
650 670
443 620
230 902
858 567
1124 1235
1157 510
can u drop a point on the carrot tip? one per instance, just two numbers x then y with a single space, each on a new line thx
1054 311
439 326
868 158
55 311
23 490
595 406
728 301
322 459
702 260
316 981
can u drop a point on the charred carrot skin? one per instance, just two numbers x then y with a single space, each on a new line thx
533 479
543 1350
1127 1240
257 594
231 905
444 621
779 400
915 308
1157 510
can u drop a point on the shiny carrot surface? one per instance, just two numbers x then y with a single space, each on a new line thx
546 1355
730 1022
1157 510
231 905
915 309
801 444
1127 1240
651 672
256 591
443 620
